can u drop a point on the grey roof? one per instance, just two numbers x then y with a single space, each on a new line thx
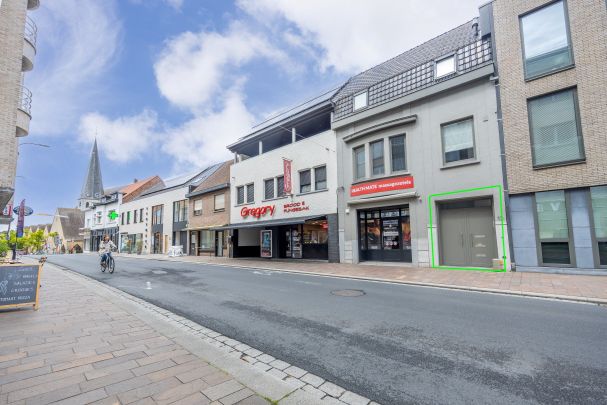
441 45
72 219
93 184
190 179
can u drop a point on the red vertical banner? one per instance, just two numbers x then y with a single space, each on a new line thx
286 165
21 219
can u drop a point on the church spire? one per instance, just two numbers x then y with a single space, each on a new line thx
93 185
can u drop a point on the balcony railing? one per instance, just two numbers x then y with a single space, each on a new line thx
25 101
31 31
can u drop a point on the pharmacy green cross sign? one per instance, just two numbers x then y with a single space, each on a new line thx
112 215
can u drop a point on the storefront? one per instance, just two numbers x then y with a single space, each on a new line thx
131 243
385 234
208 242
98 234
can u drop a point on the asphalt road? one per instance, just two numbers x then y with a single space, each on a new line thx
395 344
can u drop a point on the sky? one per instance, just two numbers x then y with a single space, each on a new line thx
165 85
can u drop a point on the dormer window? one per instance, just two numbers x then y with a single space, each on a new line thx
360 101
445 66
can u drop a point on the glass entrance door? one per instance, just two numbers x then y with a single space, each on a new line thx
385 234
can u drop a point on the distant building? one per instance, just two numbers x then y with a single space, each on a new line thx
67 223
18 50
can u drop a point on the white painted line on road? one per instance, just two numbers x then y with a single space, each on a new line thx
148 285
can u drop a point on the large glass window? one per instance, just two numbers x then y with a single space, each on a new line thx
598 197
240 195
555 134
377 157
198 207
388 229
280 186
397 153
553 227
268 186
219 202
180 211
373 231
157 215
458 140
320 178
250 193
305 181
546 43
359 162
207 240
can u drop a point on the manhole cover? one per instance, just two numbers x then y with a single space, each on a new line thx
348 293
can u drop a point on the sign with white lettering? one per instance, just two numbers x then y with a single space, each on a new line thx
380 186
19 285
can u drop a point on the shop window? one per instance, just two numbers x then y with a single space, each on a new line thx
555 129
268 189
219 202
373 231
305 181
377 157
458 141
387 229
320 178
553 227
360 101
598 196
240 195
280 186
198 207
397 153
546 42
250 193
445 66
359 163
207 240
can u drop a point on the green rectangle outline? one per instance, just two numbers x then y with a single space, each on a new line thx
468 190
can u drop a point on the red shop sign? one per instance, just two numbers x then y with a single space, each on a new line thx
379 186
286 165
257 212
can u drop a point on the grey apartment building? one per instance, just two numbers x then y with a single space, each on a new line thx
17 53
419 163
552 81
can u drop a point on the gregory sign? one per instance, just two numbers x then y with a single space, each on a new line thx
380 186
257 212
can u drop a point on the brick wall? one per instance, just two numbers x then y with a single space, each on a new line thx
588 25
209 217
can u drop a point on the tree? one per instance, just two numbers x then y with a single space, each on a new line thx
34 241
4 247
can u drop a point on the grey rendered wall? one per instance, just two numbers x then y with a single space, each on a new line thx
333 238
522 224
582 233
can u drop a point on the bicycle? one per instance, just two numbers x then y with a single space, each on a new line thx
108 264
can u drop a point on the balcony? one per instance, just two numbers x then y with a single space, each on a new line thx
24 112
33 4
30 35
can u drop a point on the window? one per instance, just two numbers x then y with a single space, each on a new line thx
555 130
180 211
250 193
141 215
122 219
240 195
377 157
207 240
98 215
268 186
198 207
135 216
397 153
305 181
320 178
280 186
157 215
445 66
458 141
598 196
220 202
553 227
359 163
128 217
88 223
546 43
360 101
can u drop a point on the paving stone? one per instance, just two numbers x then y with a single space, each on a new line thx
216 378
196 373
175 370
184 359
118 360
179 392
127 385
109 379
294 382
266 358
314 391
295 371
44 379
85 398
254 400
277 373
313 380
46 387
222 390
83 361
150 368
101 372
262 366
328 400
351 398
236 397
332 389
194 399
148 390
279 364
253 352
24 375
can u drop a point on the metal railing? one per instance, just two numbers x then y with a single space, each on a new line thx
25 101
31 31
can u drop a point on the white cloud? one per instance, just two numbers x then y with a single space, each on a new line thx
353 35
176 4
123 139
194 67
78 41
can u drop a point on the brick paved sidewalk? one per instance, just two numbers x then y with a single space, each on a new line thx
563 286
81 348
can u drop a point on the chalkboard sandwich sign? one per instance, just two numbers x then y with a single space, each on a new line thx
19 285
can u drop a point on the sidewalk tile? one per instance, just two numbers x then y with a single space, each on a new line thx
222 390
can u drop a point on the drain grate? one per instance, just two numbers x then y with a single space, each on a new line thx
348 293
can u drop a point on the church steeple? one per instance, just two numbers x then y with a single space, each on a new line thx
93 184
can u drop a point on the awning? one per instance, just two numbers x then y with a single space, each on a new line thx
206 228
397 196
274 222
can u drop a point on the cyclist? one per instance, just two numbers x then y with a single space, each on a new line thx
105 249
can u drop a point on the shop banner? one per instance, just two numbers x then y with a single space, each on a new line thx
8 210
380 186
286 165
266 243
21 219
